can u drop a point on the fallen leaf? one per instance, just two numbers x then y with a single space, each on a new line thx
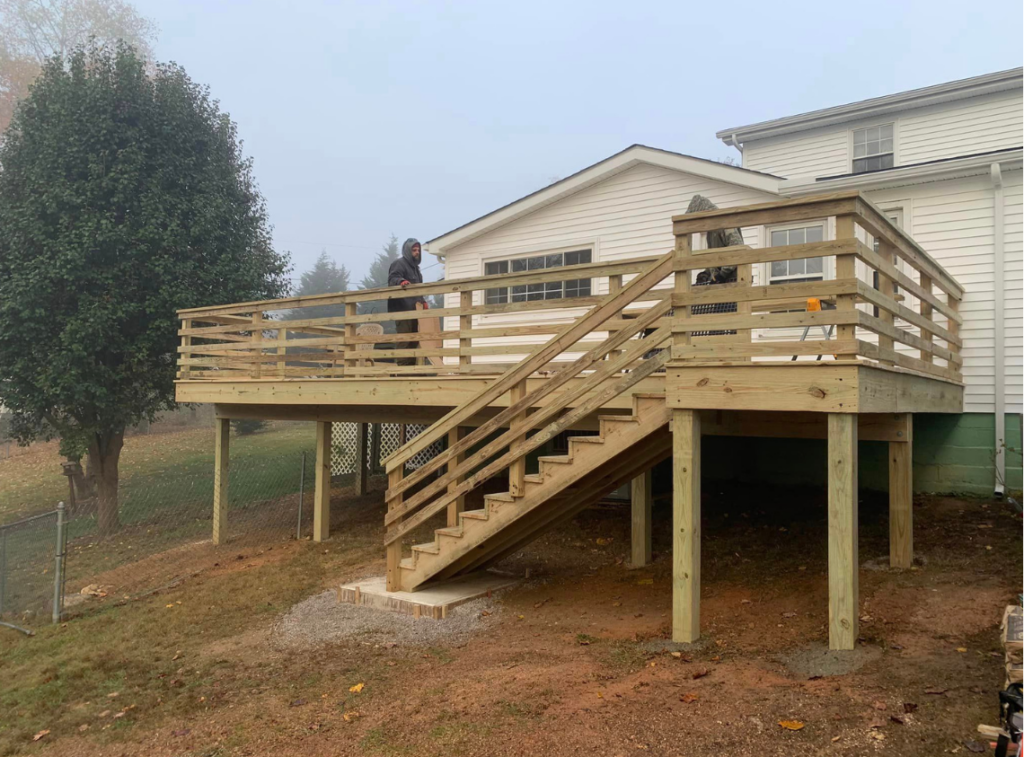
835 739
677 655
616 604
113 694
600 695
349 716
39 735
961 650
896 719
909 707
603 542
789 614
169 606
688 698
103 714
880 706
520 617
357 688
83 727
791 725
700 673
716 658
877 736
645 582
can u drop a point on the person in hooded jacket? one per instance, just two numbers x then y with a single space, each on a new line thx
403 272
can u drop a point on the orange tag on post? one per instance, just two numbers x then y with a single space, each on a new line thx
813 305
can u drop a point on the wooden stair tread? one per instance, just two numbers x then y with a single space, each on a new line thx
619 418
533 478
476 514
560 459
409 563
456 531
587 439
501 496
431 546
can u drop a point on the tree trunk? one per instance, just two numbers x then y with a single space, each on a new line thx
104 454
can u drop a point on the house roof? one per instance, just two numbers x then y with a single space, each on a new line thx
876 106
620 161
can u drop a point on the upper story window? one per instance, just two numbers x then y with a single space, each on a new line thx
804 269
872 148
549 290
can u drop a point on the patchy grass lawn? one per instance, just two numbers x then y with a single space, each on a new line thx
573 662
153 468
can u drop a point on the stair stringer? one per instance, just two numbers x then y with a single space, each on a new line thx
479 533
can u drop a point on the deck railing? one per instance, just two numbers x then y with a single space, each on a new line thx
889 303
276 339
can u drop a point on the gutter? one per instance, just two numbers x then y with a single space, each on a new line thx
999 221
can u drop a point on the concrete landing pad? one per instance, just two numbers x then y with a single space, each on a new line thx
433 601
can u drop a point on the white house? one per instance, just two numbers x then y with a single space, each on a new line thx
944 162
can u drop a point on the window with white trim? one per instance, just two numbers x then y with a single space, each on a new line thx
550 290
873 148
804 269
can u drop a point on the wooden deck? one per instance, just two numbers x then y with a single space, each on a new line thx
646 357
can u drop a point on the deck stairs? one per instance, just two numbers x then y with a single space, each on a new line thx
626 446
540 406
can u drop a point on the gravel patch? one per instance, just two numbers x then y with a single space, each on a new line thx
321 619
818 660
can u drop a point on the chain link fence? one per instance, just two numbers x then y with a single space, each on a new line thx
165 516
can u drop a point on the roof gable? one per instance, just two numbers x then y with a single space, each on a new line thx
621 161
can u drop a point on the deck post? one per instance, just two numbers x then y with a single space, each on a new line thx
685 525
322 491
362 459
843 563
458 505
465 325
846 268
517 470
640 534
221 463
901 499
392 577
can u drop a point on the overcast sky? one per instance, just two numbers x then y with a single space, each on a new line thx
413 118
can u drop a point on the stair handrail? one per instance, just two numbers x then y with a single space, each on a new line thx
517 451
540 356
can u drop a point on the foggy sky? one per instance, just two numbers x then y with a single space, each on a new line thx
413 118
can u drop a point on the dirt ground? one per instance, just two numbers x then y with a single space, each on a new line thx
576 660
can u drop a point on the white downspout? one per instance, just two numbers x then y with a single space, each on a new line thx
998 217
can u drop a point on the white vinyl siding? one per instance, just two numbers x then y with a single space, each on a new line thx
965 127
625 216
962 127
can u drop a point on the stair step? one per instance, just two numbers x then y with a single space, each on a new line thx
409 563
587 439
618 418
430 548
650 395
501 497
475 514
560 459
533 478
455 531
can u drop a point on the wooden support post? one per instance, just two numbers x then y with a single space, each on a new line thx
846 268
685 525
186 341
614 285
843 566
322 491
375 433
465 324
350 361
886 288
926 311
640 538
362 459
458 505
517 470
901 499
744 277
257 344
682 283
392 577
282 351
221 464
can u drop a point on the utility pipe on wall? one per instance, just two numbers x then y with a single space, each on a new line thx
998 220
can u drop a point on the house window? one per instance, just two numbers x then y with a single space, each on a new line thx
805 269
872 148
549 290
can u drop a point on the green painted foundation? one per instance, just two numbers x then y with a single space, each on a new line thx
953 454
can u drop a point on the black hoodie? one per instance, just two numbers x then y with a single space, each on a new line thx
405 269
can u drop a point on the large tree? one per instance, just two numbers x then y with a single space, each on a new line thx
325 277
124 195
32 31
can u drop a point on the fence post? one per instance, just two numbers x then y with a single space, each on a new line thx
302 496
3 568
58 599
